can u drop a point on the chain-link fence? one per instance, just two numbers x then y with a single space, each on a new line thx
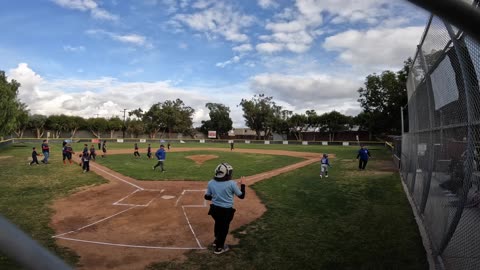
439 162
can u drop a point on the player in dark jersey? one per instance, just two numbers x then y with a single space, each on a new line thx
135 151
68 153
93 154
149 151
34 156
86 162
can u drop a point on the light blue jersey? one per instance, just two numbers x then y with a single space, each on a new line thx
222 192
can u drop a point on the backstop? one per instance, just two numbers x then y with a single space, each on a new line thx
439 158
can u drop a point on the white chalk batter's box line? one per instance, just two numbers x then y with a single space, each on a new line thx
192 190
116 177
62 236
135 191
96 222
126 245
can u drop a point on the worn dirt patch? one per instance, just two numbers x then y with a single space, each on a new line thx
200 159
5 157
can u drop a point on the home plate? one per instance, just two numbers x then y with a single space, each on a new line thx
167 197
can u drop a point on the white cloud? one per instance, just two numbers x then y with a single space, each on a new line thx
82 5
286 14
133 39
108 96
69 48
344 10
321 92
31 91
234 59
202 4
103 15
268 47
305 87
267 3
289 27
291 30
295 41
242 48
87 5
219 19
375 48
296 29
26 76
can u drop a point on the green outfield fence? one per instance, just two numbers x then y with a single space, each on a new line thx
177 141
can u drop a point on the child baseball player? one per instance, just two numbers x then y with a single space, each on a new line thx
135 151
324 165
221 190
34 156
86 162
149 151
161 155
92 152
85 150
68 150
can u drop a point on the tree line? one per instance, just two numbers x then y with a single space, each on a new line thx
380 99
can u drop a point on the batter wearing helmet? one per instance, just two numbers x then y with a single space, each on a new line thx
221 190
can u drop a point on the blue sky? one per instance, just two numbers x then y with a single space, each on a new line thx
88 57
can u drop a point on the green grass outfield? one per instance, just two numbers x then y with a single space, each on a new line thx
352 220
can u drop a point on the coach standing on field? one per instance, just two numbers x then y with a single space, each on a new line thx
363 156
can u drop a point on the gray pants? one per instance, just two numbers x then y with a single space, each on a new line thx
159 163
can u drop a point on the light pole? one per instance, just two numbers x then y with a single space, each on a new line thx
123 128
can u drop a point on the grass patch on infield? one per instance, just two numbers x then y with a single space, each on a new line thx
179 167
27 191
351 220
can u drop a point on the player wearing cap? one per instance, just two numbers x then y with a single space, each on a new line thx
324 165
161 155
221 190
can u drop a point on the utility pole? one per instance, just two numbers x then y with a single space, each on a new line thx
124 127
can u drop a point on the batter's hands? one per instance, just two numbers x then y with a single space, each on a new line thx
241 180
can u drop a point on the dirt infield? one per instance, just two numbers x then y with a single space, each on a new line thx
129 224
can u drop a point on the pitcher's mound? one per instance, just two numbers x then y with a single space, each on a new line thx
200 159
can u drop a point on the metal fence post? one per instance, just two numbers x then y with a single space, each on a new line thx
430 156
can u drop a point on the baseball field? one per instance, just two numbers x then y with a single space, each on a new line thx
125 215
